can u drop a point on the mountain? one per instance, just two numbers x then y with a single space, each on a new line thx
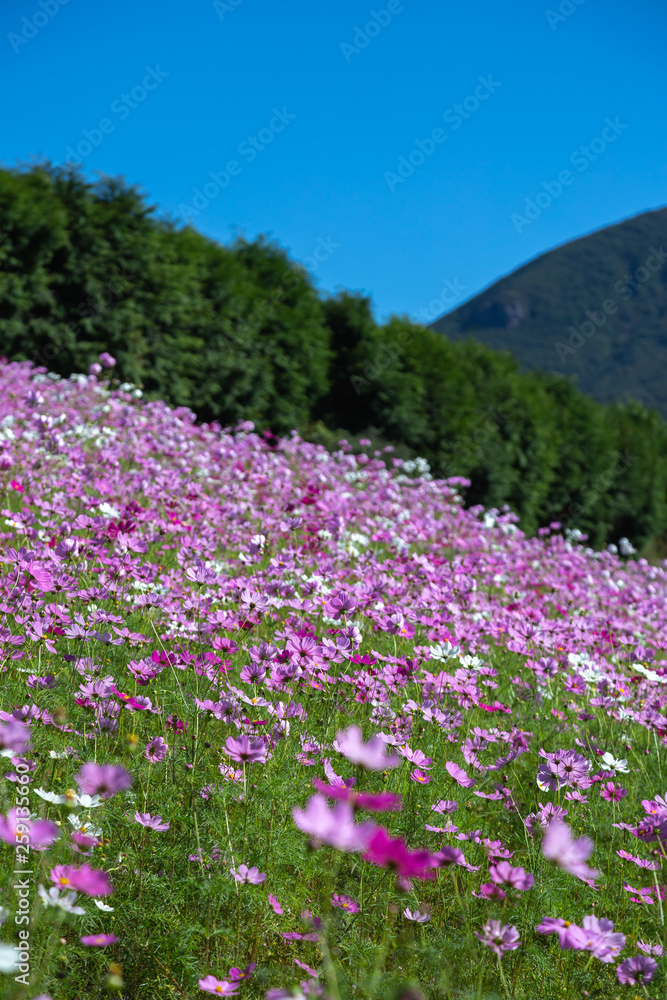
595 308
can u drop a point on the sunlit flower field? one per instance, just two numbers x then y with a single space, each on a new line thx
278 722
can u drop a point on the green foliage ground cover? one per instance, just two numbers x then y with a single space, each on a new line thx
147 559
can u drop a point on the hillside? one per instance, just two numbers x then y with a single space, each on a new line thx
240 333
595 308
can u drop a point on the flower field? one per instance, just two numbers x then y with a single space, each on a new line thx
279 722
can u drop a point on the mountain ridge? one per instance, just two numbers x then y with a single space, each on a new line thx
594 307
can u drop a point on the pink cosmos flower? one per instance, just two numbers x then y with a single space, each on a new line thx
568 854
445 806
345 903
637 970
653 866
99 940
90 881
306 968
106 360
416 916
644 895
500 939
219 987
449 856
603 942
40 833
273 902
488 890
518 878
372 755
244 749
14 737
458 774
151 822
415 757
420 776
103 779
650 949
245 874
335 827
569 935
156 750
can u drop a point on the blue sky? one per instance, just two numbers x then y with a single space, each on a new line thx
306 111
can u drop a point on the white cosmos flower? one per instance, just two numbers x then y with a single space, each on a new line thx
49 796
71 797
85 826
613 764
103 906
9 958
650 674
65 902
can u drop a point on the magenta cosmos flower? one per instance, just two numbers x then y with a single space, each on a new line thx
275 905
219 987
369 801
245 874
98 940
239 975
244 749
103 779
386 852
151 822
156 750
372 755
345 903
569 854
637 970
499 938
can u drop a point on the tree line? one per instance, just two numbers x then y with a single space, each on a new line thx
240 332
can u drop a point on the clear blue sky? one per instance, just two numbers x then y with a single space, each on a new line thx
328 175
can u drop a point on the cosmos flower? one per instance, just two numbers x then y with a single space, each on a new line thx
244 750
218 987
335 827
103 779
613 764
151 822
245 874
569 854
372 755
637 970
499 938
517 878
156 750
99 940
346 903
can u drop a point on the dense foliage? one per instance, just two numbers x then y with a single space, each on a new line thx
277 722
240 332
